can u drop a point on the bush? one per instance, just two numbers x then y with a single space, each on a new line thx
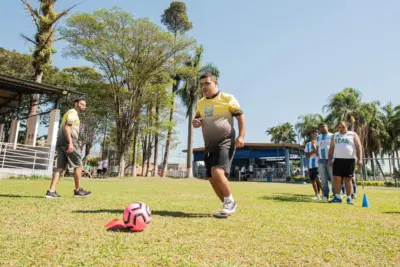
29 177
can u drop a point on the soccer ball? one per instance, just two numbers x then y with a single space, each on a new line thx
137 216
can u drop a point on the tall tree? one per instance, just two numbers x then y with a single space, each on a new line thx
308 123
190 93
282 134
45 19
176 20
344 106
129 53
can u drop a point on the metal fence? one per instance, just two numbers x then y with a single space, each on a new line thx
24 159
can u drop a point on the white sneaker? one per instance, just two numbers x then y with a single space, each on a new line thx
228 207
325 199
316 198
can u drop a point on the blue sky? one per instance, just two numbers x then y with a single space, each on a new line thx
281 59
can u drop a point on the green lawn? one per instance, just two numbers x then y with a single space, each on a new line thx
275 225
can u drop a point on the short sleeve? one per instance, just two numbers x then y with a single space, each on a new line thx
234 107
72 117
306 150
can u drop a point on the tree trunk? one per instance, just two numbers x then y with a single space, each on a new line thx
398 159
148 156
372 166
168 141
156 139
144 154
379 166
134 146
121 171
189 162
390 165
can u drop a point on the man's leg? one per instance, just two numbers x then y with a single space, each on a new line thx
319 185
323 172
54 179
314 186
337 198
349 190
221 182
353 181
216 188
77 178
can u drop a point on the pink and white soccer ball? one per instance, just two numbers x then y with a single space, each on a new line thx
137 216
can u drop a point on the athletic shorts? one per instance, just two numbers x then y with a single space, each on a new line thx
104 170
73 159
313 174
344 167
99 171
221 157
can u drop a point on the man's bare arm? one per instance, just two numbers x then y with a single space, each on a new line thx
357 143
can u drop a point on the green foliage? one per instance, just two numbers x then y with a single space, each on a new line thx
131 54
307 124
282 134
175 18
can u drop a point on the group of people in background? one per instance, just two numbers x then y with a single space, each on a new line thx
333 157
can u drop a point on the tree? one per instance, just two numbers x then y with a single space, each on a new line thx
190 93
45 19
282 134
307 124
391 138
176 20
129 53
344 106
94 121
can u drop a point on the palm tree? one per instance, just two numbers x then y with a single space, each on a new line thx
282 134
190 94
308 123
344 106
390 140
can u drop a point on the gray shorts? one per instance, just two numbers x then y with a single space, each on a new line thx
73 160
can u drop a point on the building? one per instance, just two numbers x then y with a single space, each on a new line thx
268 161
23 156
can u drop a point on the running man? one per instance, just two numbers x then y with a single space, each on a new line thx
214 113
323 143
68 151
311 154
345 148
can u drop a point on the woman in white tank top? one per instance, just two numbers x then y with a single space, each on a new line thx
344 150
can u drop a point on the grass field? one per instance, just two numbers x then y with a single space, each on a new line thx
275 225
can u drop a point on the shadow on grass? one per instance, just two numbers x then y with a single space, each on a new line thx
392 212
291 198
19 196
164 213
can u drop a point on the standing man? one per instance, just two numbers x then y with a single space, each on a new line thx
105 167
323 144
215 112
68 151
311 153
345 148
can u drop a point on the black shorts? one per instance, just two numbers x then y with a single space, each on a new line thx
104 170
344 167
313 174
99 171
219 158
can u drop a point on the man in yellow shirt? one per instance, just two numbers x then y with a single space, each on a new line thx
68 151
214 113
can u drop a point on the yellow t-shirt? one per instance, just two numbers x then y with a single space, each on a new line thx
70 118
217 120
